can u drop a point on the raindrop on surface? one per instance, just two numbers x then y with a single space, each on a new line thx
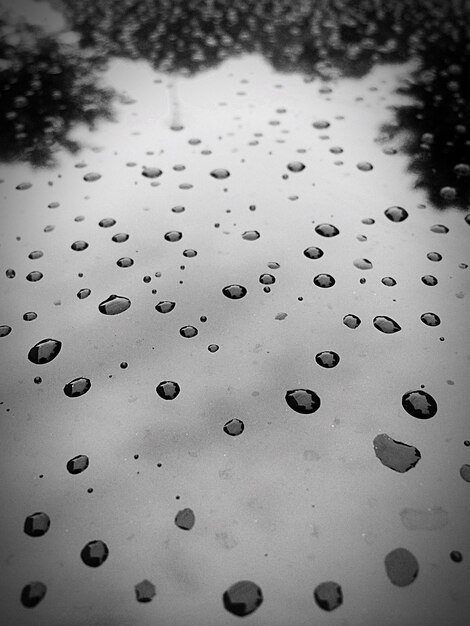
327 359
313 252
24 186
107 222
326 230
273 265
213 347
78 246
419 404
368 221
234 427
465 472
83 293
362 264
439 228
328 595
5 330
295 166
185 519
114 305
336 150
386 324
388 281
91 177
173 235
10 273
456 556
364 166
165 306
188 331
144 591
30 316
430 319
251 235
37 524
35 254
220 173
78 464
120 237
125 261
324 280
401 567
178 209
234 292
434 256
321 124
429 280
32 594
44 351
167 389
448 193
34 276
242 598
303 400
94 553
77 387
351 321
151 172
190 253
396 455
396 213
267 279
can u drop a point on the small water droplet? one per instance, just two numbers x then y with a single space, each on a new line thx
120 237
251 235
185 519
419 404
144 591
165 306
234 292
107 222
327 359
220 173
396 213
465 472
34 276
364 166
213 347
78 246
388 281
188 331
394 454
351 321
10 273
303 400
242 598
430 319
125 261
77 387
439 228
5 330
173 235
386 324
168 390
328 595
30 316
321 124
24 186
327 230
401 567
434 256
91 177
78 464
368 221
32 594
151 172
362 264
456 556
44 351
429 280
234 427
273 265
83 293
35 254
114 305
313 252
190 253
37 524
295 166
324 280
94 553
267 279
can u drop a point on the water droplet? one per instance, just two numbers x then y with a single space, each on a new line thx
321 124
267 279
328 595
24 186
388 281
465 472
213 347
313 252
234 292
430 319
178 209
351 321
327 359
120 237
94 553
37 524
125 261
78 464
326 230
396 213
324 280
295 166
448 193
303 400
77 387
396 455
364 166
234 427
386 324
144 591
32 594
114 305
83 293
336 150
429 280
251 235
44 351
151 172
242 598
107 222
188 331
173 235
419 404
189 253
5 330
401 567
91 177
368 221
185 519
34 276
220 173
78 246
434 256
9 273
35 254
439 228
30 316
456 556
165 306
362 264
168 390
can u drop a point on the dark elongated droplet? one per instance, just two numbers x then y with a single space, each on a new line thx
145 591
34 276
32 594
114 305
429 280
220 173
188 331
5 330
125 261
242 598
37 524
83 293
396 213
173 235
185 519
326 230
364 166
234 292
168 389
120 237
251 235
35 254
320 124
324 280
30 316
267 279
434 256
362 264
313 252
351 321
78 464
328 595
234 427
396 455
165 306
401 567
430 319
151 172
303 400
80 245
295 166
327 359
107 222
44 351
77 387
419 404
94 553
91 177
388 281
386 325
439 228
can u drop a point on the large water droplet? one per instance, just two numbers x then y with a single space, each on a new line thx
189 254
37 524
251 235
34 276
242 598
94 553
434 256
401 567
144 591
320 124
151 172
430 319
77 387
439 228
185 519
91 177
5 330
295 166
44 351
120 237
165 306
326 230
168 389
220 173
327 359
396 213
78 464
351 321
234 427
78 246
125 261
364 166
35 254
24 186
32 594
173 235
234 292
313 252
324 280
396 455
388 281
386 324
362 264
429 280
83 293
107 222
267 279
328 595
188 331
303 400
114 305
419 404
